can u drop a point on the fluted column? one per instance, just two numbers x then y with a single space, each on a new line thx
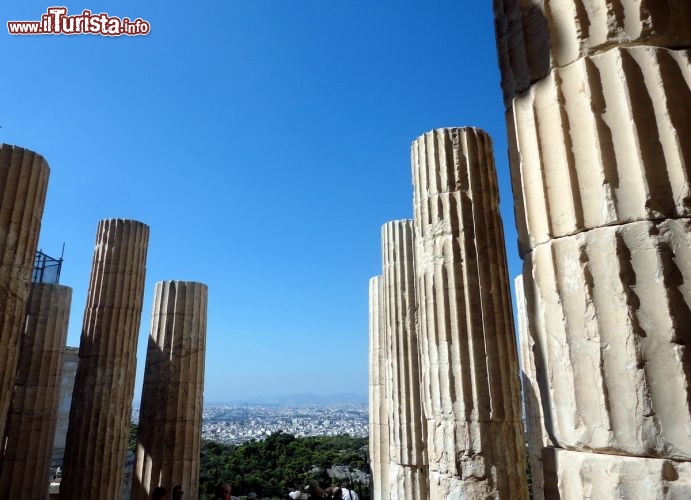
468 351
170 419
31 422
601 142
70 361
408 469
101 410
378 388
536 435
536 36
601 160
23 185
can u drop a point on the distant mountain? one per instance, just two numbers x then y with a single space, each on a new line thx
302 399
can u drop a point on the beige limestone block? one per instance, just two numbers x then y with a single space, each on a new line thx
23 185
467 347
408 471
536 433
378 403
170 419
610 315
100 415
31 421
536 36
574 475
603 141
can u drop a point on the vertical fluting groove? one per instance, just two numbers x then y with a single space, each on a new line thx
407 461
23 184
468 358
169 433
104 385
601 142
536 37
31 421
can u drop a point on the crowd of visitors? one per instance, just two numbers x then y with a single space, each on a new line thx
334 492
312 491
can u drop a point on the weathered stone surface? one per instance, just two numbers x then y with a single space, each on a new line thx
170 420
23 185
407 482
70 361
31 421
468 351
603 141
610 315
536 36
408 471
378 403
536 434
102 399
572 475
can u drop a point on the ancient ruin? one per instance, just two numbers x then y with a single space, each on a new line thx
467 348
407 458
536 435
23 185
378 390
102 399
598 103
70 361
31 421
170 419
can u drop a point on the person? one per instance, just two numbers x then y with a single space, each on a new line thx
314 490
177 492
159 493
223 492
347 493
335 493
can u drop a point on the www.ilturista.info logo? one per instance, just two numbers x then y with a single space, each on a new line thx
56 22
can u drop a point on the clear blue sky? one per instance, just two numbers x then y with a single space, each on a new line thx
265 143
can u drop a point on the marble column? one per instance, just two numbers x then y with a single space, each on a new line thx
70 361
23 185
408 469
598 99
536 434
100 415
170 418
468 351
31 421
378 388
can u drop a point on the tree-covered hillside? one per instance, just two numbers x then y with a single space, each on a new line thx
281 463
